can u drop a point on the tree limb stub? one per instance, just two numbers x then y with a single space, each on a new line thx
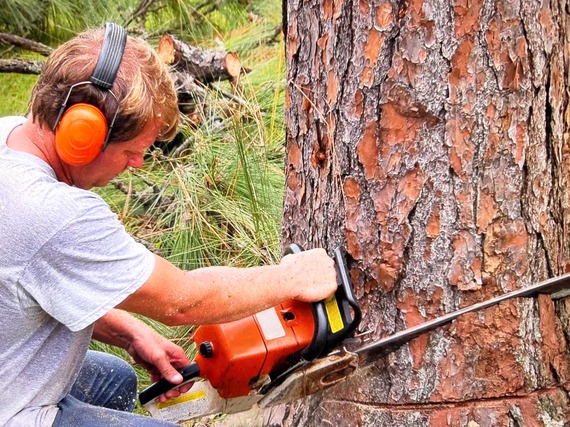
204 65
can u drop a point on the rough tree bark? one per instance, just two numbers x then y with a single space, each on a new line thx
431 138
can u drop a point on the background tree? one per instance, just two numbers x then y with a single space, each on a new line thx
431 138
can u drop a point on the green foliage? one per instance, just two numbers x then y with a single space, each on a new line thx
200 22
219 202
22 16
55 21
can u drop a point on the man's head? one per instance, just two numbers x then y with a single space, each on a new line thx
146 97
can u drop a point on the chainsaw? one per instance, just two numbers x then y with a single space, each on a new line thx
293 350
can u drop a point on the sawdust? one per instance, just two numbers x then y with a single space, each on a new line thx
251 418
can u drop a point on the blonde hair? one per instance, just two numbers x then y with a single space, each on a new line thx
143 87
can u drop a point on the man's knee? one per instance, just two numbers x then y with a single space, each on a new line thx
106 380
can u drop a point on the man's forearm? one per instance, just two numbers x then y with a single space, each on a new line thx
117 328
221 294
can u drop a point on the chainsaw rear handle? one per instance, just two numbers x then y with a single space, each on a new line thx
350 309
324 338
188 373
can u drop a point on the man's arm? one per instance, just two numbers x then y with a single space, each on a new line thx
221 294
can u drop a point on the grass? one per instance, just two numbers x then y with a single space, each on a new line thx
16 91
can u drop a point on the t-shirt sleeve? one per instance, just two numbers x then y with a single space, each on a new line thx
86 268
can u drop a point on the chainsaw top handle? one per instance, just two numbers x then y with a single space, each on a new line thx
335 318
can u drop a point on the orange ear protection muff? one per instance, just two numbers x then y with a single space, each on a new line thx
81 131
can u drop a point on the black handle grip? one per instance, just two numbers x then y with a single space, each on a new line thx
188 372
348 304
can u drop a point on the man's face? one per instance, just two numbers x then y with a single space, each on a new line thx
114 160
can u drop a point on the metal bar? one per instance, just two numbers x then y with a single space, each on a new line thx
558 287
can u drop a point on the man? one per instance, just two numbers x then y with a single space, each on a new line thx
69 271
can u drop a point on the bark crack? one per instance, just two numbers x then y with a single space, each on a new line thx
420 406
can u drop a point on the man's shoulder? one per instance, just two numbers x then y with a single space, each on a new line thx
32 199
10 122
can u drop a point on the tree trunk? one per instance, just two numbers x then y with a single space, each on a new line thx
430 138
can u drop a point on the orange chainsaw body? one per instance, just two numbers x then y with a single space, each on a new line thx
248 358
233 356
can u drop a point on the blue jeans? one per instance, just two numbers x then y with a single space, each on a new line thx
103 396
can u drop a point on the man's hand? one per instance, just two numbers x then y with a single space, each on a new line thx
161 358
312 272
158 355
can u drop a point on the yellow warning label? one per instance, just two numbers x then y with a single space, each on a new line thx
333 314
196 395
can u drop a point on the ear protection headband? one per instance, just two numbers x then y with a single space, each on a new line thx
81 131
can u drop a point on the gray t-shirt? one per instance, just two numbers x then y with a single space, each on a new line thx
65 261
